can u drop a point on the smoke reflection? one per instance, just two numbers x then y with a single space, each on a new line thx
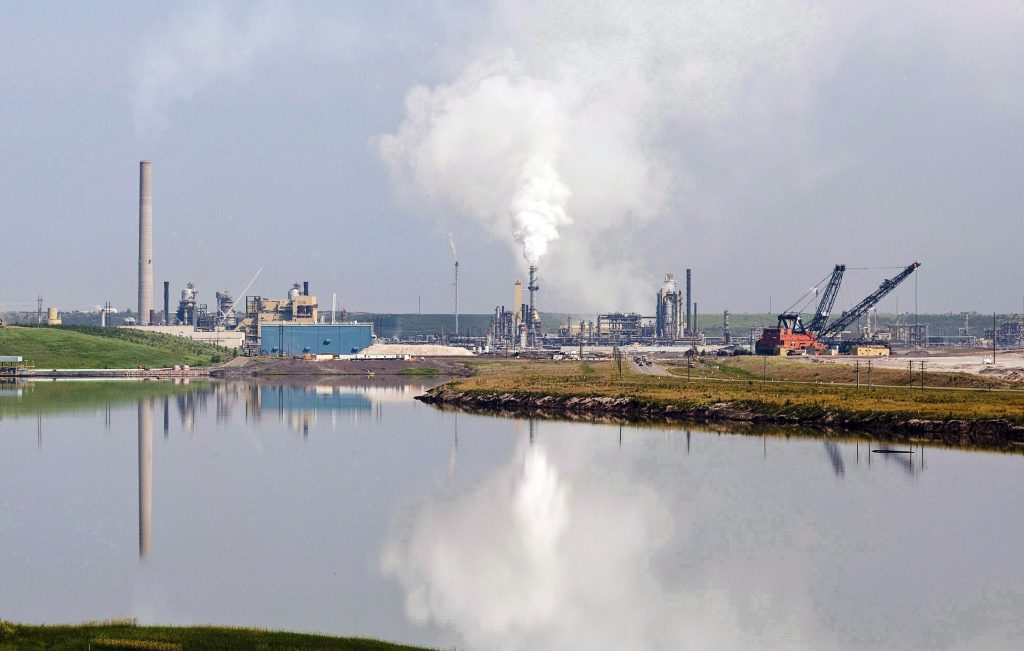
551 552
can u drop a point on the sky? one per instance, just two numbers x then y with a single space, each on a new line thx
348 144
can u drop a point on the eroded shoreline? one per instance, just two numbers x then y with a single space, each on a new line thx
991 433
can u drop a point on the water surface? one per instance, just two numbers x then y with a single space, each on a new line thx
352 509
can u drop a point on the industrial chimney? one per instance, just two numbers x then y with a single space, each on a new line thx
689 306
145 242
532 319
517 300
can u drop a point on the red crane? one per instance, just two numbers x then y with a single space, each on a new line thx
791 337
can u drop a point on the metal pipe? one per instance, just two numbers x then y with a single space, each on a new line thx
145 241
532 318
689 323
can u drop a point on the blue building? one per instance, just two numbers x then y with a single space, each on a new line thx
311 399
319 339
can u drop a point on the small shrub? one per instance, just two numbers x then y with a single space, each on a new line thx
7 630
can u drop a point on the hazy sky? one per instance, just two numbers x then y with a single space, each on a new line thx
341 143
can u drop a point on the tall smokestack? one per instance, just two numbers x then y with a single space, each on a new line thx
305 288
167 302
689 306
456 298
531 322
517 300
145 241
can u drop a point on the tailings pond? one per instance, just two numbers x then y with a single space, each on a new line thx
353 509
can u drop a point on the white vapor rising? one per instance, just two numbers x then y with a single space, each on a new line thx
553 135
198 50
489 144
451 243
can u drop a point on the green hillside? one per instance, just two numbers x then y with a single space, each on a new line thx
92 347
127 634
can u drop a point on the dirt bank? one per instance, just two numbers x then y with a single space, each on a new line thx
988 433
269 366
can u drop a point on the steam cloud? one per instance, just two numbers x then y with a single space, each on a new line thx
199 50
451 243
490 144
554 135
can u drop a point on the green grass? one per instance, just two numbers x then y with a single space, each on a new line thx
92 347
600 379
49 397
126 634
420 371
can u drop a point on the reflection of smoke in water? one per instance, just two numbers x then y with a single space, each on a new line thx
547 555
540 505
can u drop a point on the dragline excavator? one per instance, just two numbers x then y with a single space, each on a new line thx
792 337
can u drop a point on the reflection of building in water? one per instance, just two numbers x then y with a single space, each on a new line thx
145 476
251 395
226 397
188 405
299 406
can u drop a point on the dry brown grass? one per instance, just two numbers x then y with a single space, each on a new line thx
808 370
714 384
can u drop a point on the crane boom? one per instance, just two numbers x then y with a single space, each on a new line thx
831 332
828 299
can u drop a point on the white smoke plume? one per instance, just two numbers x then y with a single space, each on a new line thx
563 135
490 145
451 243
201 48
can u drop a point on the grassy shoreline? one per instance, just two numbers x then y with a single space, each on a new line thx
86 347
126 634
957 417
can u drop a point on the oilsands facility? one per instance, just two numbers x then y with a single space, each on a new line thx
291 326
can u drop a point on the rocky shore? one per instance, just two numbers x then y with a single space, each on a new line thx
988 433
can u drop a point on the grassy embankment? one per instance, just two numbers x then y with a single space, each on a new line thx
92 347
749 367
601 379
128 635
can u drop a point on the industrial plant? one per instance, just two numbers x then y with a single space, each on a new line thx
290 326
295 326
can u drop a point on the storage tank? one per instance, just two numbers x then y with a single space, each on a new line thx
52 317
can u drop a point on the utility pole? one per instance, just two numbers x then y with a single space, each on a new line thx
910 369
922 375
993 339
858 374
869 375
